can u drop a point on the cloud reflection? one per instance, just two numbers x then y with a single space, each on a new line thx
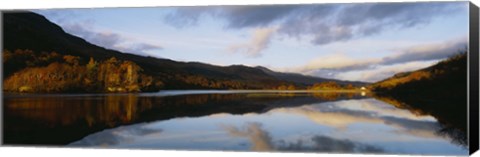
120 135
337 116
262 141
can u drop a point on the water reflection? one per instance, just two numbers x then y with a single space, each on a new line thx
39 119
451 117
306 122
353 126
262 141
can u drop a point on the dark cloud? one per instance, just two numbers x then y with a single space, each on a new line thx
188 16
236 16
428 52
256 16
348 21
327 23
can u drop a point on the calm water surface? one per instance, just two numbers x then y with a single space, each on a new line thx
226 120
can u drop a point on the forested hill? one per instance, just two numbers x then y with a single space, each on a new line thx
39 56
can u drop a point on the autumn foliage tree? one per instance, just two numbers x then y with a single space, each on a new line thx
63 73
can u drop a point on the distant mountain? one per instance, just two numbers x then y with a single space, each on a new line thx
33 44
304 79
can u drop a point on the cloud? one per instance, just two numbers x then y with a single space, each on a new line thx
188 16
348 21
327 144
255 16
108 39
428 52
260 41
379 72
137 47
236 16
341 66
326 23
261 140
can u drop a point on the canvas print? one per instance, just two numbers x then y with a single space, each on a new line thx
356 78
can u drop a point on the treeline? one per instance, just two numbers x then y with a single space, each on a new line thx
193 81
330 85
27 71
53 72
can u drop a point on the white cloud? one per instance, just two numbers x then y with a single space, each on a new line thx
260 41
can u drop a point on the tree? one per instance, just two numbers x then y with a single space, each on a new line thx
291 87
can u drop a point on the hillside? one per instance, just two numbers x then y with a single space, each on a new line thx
35 45
439 90
305 80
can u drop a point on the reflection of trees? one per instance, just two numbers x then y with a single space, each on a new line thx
335 95
453 118
44 117
457 136
55 111
402 105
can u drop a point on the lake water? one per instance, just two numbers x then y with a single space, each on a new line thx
285 121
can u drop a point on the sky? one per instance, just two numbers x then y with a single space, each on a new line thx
350 41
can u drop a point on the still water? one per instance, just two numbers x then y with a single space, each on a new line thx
284 121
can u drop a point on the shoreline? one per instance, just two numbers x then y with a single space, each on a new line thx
172 92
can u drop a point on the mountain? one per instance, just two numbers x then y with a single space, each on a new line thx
38 54
439 90
304 79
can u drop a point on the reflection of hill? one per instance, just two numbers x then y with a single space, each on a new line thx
452 126
40 119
